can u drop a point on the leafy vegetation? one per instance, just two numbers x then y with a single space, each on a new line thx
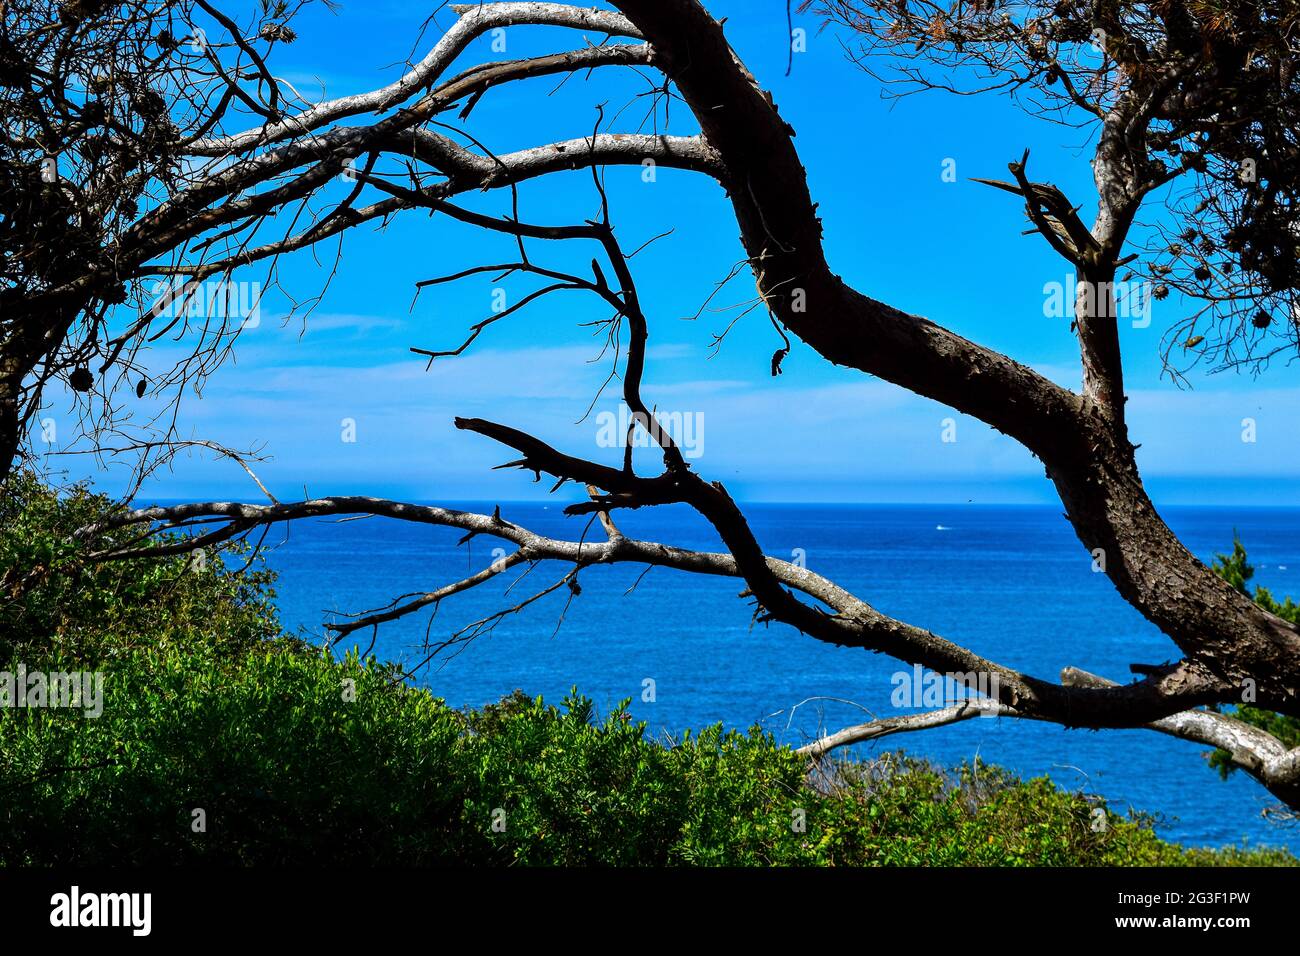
223 743
56 604
1237 571
289 765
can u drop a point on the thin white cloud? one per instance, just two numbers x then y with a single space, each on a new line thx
853 433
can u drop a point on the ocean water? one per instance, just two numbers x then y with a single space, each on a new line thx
1012 583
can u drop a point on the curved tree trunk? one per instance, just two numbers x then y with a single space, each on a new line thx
1081 440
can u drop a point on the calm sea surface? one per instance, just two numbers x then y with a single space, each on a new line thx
1013 583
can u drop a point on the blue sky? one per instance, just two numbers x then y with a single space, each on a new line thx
950 251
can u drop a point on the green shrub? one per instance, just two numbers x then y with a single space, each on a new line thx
299 759
294 757
54 601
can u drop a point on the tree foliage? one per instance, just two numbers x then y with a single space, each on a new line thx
1207 100
1237 571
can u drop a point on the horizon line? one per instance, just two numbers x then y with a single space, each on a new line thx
740 501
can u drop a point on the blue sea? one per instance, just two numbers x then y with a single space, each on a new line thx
1012 583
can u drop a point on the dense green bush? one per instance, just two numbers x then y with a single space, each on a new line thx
55 602
295 757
